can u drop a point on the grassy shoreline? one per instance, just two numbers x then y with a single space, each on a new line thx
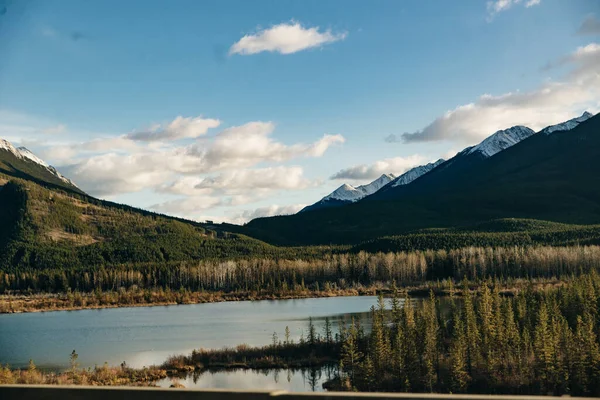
48 302
73 301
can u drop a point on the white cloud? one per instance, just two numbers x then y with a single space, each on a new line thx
116 165
195 208
496 6
269 211
244 146
185 185
396 166
187 207
449 154
285 38
240 181
111 173
229 189
179 128
280 177
550 103
590 26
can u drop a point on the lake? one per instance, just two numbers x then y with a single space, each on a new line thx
143 336
307 380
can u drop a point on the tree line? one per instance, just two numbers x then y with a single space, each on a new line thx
341 271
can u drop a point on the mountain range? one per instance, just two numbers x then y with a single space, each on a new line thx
495 143
347 194
552 175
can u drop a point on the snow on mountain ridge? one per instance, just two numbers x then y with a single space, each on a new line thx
25 154
5 145
501 140
567 125
348 192
415 173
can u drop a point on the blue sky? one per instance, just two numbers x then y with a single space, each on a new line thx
234 109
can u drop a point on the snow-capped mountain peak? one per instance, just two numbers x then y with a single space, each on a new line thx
5 145
415 173
25 154
567 125
377 183
350 193
501 140
345 193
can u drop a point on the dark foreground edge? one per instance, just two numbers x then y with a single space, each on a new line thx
27 392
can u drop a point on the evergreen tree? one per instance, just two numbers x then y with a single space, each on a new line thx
471 330
544 351
430 343
327 332
459 374
351 356
312 333
287 335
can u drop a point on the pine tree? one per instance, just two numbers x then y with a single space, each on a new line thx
287 335
327 332
350 354
368 381
430 343
586 374
400 354
312 333
412 366
471 330
379 342
544 351
458 357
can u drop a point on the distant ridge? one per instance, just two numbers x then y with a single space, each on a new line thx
415 173
514 173
347 194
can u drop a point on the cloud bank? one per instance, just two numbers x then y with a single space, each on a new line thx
179 128
550 103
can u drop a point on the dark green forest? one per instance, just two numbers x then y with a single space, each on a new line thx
539 341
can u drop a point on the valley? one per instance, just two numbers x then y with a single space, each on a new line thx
234 200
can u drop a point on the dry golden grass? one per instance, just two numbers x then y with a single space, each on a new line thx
58 235
99 376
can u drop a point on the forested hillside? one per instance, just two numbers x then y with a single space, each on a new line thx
553 177
42 228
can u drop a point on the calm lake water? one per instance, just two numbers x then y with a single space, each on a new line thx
143 336
281 379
